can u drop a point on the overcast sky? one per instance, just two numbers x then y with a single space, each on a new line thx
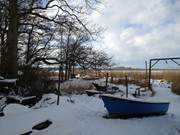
137 30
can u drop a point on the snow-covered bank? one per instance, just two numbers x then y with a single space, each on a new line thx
85 117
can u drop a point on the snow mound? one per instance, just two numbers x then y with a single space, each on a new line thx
76 85
46 101
2 101
15 109
1 78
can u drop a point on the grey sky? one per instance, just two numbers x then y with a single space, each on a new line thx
139 29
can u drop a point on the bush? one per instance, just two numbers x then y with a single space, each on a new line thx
37 81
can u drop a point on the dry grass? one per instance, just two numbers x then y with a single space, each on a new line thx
174 77
138 77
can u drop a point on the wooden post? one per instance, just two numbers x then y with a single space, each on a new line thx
107 75
126 83
149 81
139 92
111 79
146 75
59 81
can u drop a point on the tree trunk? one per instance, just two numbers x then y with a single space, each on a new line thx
28 45
69 71
3 54
66 71
12 40
73 70
3 47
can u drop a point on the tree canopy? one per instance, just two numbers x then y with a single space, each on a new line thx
48 28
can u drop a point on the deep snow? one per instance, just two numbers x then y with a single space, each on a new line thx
85 117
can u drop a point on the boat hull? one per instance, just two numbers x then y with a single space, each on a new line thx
118 107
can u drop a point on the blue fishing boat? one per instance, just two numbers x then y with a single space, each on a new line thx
120 107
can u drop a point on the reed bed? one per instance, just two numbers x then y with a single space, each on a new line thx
139 77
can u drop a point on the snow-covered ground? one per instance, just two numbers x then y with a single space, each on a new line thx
85 116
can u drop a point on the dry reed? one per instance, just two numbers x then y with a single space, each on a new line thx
139 77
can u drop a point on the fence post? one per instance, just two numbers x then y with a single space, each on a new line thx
149 80
126 83
59 82
146 75
107 75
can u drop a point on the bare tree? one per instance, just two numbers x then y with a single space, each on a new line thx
19 10
35 41
100 61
